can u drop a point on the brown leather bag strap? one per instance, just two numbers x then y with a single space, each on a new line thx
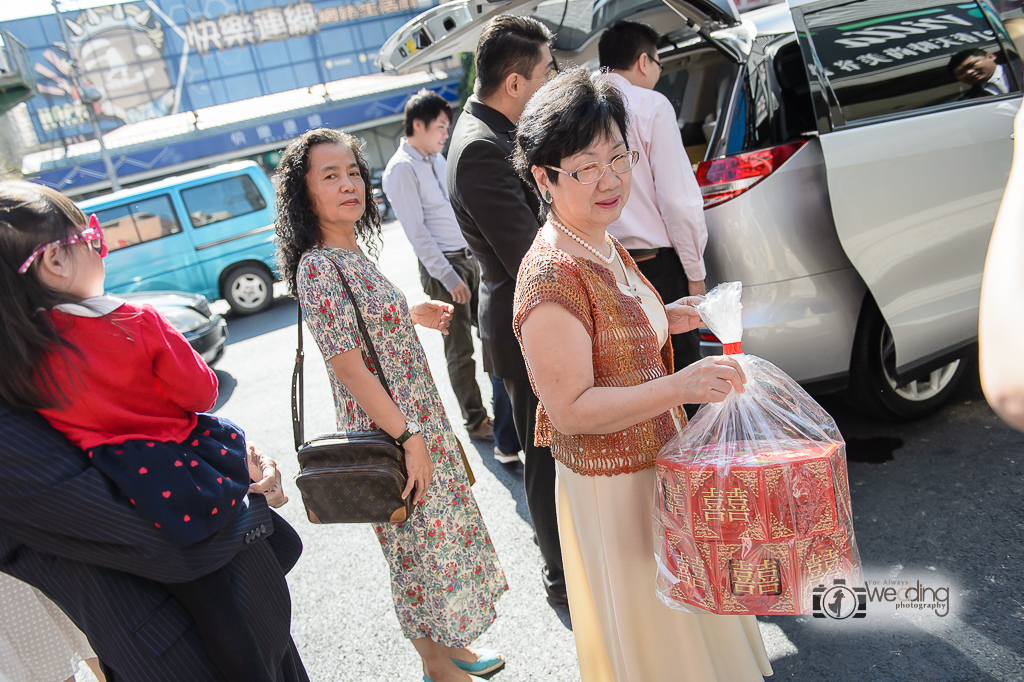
298 398
377 368
298 403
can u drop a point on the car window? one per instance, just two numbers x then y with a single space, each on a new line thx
883 58
216 201
138 222
574 21
697 83
773 104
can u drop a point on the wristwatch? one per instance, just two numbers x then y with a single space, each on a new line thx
411 429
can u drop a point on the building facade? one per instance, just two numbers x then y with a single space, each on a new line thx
181 82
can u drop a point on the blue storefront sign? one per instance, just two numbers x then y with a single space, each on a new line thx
151 58
198 144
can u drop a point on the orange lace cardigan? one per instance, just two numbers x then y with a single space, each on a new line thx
625 353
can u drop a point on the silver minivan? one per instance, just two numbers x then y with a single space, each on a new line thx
849 180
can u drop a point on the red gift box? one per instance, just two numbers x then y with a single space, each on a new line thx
763 533
729 506
692 563
820 559
801 497
673 499
756 578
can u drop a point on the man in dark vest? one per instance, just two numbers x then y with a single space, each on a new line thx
498 215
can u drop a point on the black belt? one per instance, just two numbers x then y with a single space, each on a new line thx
647 253
466 253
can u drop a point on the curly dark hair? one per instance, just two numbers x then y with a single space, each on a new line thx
298 228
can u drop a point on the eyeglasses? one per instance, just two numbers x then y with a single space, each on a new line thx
91 235
589 173
661 68
547 75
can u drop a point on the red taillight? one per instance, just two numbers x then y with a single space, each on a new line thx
709 337
723 179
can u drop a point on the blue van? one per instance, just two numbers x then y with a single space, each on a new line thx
209 233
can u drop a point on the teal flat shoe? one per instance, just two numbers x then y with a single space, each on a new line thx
471 677
488 661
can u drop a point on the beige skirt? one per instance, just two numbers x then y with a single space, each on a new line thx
623 632
38 643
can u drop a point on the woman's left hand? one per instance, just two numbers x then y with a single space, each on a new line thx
683 315
419 466
433 315
266 476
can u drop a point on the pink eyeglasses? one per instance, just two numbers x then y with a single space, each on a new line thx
92 235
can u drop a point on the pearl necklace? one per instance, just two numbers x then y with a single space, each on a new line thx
607 260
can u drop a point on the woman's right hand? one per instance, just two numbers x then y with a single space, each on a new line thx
710 380
418 466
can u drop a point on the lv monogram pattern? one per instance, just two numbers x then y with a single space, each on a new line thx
355 489
445 575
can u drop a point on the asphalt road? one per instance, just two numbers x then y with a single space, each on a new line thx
936 500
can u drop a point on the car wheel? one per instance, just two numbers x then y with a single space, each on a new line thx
249 289
873 387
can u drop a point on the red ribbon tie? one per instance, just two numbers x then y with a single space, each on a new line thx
732 348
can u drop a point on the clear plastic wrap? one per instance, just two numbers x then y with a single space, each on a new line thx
752 510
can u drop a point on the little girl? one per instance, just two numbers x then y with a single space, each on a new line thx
121 383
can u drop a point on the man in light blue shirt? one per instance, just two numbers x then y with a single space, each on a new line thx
414 181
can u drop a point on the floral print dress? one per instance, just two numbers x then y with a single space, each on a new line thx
445 575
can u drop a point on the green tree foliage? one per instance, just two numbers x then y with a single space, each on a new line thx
465 88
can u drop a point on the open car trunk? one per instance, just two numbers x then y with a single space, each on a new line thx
445 31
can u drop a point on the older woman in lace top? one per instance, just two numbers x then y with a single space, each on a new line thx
595 336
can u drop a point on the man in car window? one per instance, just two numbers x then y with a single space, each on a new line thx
662 224
498 214
979 70
414 182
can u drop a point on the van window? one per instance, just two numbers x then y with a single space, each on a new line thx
221 200
138 222
886 58
769 110
696 82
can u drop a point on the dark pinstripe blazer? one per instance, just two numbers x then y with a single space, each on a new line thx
65 530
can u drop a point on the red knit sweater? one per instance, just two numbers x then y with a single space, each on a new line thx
625 353
130 376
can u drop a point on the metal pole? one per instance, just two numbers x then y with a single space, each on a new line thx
75 80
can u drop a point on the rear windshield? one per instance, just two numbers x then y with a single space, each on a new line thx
774 102
222 200
697 83
574 21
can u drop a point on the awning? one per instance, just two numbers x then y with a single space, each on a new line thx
236 127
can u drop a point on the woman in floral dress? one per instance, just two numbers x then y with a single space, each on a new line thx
445 575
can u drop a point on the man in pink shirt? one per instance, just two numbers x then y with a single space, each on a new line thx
662 224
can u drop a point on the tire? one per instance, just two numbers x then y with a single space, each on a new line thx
872 389
249 289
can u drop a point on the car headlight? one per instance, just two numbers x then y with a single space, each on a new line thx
202 305
185 319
